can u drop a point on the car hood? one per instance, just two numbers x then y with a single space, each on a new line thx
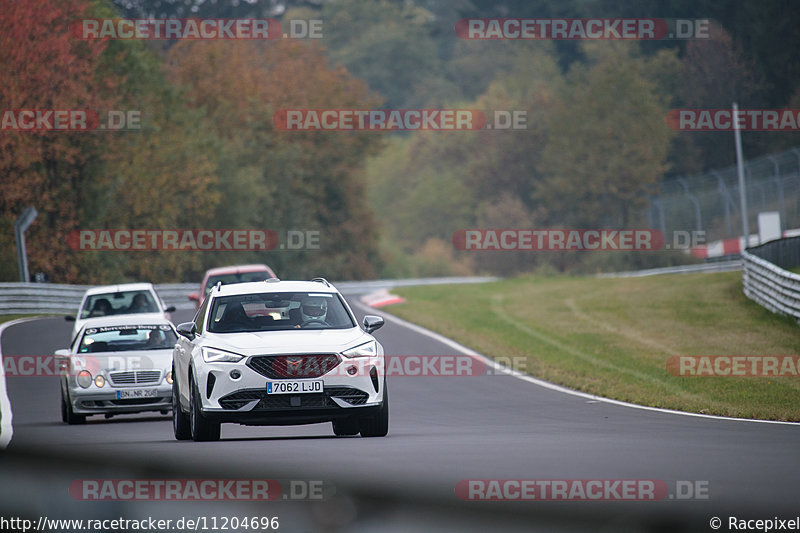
136 318
122 361
291 341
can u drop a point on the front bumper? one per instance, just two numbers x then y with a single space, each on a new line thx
93 401
354 388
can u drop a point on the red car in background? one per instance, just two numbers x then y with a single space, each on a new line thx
230 274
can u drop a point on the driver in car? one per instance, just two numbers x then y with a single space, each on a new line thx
102 307
156 339
140 304
313 310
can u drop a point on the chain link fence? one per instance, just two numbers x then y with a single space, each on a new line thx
710 202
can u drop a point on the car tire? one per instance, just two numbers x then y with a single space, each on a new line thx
67 414
180 420
202 429
64 417
345 427
378 425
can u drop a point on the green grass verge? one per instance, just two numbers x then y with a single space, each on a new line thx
612 337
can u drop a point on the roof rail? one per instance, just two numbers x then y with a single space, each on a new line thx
321 280
272 280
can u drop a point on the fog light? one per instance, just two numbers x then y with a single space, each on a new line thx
235 374
84 378
99 381
169 377
352 370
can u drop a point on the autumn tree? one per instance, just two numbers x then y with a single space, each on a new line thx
45 68
607 142
282 180
160 176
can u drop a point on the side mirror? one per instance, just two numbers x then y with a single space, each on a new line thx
187 329
63 362
372 322
193 296
69 318
170 309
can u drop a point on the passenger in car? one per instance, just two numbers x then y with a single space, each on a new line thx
234 318
156 340
102 307
140 304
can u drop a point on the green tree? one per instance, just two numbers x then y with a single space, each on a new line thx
388 44
284 180
608 140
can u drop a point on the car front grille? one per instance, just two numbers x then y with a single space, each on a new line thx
293 366
137 401
137 377
105 404
270 402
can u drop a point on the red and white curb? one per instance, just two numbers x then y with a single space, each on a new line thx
731 246
381 298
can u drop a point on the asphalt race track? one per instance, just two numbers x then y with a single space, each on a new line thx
442 430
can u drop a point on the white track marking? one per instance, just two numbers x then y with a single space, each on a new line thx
546 384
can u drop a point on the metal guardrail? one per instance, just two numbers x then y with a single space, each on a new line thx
365 287
715 266
49 298
766 280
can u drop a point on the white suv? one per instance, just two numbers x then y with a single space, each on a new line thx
275 353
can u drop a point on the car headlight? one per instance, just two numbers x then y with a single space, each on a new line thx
368 349
99 381
84 378
169 377
212 355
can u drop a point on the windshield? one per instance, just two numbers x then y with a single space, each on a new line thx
127 338
119 303
278 311
241 277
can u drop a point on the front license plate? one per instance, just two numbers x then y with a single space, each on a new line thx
294 387
136 393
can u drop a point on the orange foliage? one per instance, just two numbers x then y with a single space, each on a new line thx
45 68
